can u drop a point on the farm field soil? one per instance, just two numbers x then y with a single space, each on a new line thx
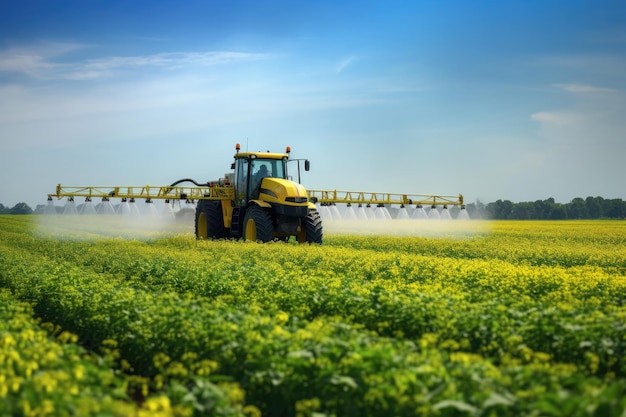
502 318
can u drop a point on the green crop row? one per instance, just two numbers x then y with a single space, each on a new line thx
490 307
335 330
42 376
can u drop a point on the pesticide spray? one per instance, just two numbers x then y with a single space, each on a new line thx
126 220
136 221
380 220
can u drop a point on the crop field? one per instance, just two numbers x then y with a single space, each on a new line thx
495 319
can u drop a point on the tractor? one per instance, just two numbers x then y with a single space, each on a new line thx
264 202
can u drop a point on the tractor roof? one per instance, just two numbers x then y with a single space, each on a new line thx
264 155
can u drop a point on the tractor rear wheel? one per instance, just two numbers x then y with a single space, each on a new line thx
312 230
209 220
257 225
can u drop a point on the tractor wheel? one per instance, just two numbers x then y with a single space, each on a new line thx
209 220
257 225
312 231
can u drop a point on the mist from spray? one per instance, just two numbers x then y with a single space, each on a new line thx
123 221
405 221
133 221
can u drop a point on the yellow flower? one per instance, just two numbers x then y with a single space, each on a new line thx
282 317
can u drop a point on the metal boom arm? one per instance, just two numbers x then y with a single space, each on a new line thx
359 197
147 192
215 192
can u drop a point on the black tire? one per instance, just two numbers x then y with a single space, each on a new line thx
257 225
312 231
209 220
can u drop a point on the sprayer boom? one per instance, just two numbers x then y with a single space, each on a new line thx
324 197
368 198
147 192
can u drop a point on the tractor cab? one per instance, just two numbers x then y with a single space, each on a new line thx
250 170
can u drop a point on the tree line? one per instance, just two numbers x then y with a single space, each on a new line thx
19 208
578 208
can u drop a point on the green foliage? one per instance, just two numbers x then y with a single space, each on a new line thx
527 319
589 208
19 208
41 375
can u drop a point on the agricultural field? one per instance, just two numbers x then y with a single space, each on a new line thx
502 318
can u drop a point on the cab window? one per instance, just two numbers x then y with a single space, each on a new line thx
241 180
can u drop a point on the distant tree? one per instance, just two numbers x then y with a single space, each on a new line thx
558 212
501 209
523 211
549 209
577 209
623 210
594 206
542 209
21 208
614 208
3 209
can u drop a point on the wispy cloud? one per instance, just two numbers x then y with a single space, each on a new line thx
344 63
583 89
590 123
35 60
560 118
548 117
46 61
171 60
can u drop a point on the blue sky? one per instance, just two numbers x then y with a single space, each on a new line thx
518 100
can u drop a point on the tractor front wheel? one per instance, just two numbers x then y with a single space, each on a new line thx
311 230
257 225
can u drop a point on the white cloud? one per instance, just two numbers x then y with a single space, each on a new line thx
547 117
44 61
589 134
583 89
35 60
60 117
582 146
562 118
108 66
593 118
169 60
344 63
588 125
58 114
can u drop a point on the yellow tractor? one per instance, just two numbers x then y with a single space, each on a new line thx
265 203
